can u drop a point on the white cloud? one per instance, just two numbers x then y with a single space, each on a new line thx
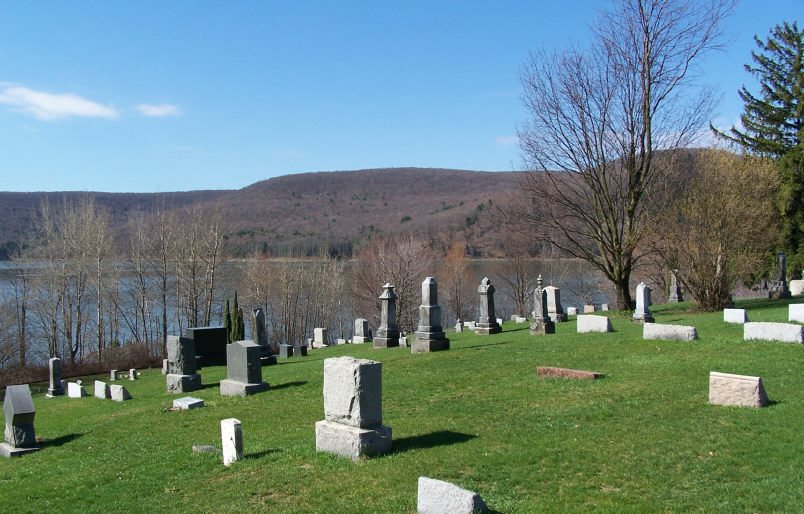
53 106
158 111
506 140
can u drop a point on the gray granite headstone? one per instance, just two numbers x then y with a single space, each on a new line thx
55 388
243 370
540 319
554 309
676 295
487 322
429 335
642 313
361 332
388 332
19 413
181 376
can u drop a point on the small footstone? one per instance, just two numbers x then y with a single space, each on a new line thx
119 393
590 323
231 441
204 448
187 403
74 390
735 316
669 332
736 390
546 371
439 497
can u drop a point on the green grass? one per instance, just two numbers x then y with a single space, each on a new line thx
643 439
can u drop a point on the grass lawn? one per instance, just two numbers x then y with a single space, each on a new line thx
643 439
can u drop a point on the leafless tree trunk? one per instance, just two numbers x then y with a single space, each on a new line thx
597 119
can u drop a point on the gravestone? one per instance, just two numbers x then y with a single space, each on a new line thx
521 319
361 333
736 390
352 425
572 311
388 332
55 388
487 322
778 289
735 316
588 308
132 374
767 331
182 376
113 375
76 390
243 370
676 295
548 371
319 337
102 390
591 323
540 323
604 307
458 326
796 287
665 332
268 351
187 403
554 309
231 440
19 413
429 334
439 497
164 366
795 312
287 351
209 345
642 312
119 393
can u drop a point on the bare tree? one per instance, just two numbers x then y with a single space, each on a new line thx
454 280
597 118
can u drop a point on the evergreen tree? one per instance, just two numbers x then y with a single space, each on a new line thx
227 323
773 125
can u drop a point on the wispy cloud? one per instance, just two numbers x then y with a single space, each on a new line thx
158 111
53 106
506 140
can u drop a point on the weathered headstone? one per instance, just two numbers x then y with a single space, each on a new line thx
164 366
604 307
735 316
669 332
795 312
188 403
258 327
119 393
487 322
132 374
642 312
458 326
113 375
182 376
55 388
572 311
778 287
591 323
102 390
319 337
209 345
361 332
588 308
287 351
676 295
19 413
75 390
429 334
521 319
231 440
243 370
388 332
352 425
736 390
796 287
439 497
766 331
554 309
540 323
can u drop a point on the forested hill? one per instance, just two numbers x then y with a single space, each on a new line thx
303 212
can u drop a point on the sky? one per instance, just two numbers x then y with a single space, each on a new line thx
153 96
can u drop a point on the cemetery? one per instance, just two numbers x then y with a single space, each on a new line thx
475 429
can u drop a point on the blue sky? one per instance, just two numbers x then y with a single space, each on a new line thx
163 96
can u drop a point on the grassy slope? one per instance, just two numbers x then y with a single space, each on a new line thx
643 439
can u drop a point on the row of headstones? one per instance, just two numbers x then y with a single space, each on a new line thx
58 387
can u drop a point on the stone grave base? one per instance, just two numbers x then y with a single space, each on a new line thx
352 442
182 383
386 342
8 451
429 345
547 371
484 329
643 319
52 393
287 350
736 390
558 318
235 388
188 403
542 327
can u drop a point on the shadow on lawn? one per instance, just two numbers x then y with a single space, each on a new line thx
431 440
288 384
47 443
482 345
261 453
210 386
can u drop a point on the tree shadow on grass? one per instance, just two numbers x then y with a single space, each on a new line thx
288 384
47 443
431 440
482 345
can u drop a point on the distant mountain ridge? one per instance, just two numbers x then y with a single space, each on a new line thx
303 212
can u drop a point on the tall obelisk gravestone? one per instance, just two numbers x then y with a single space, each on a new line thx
429 336
388 333
487 322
